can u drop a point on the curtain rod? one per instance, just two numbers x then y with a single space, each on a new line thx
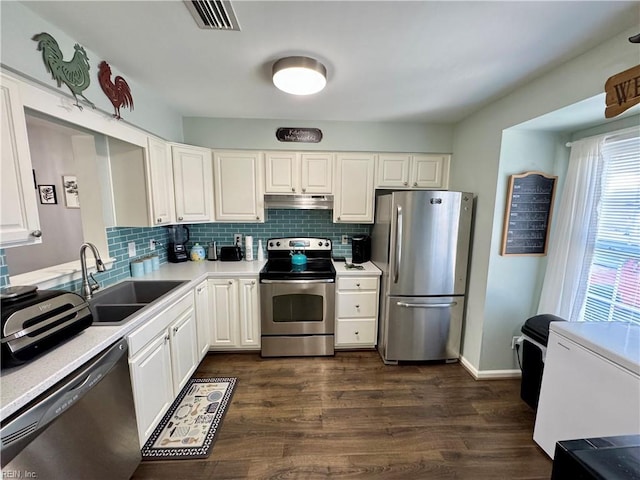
615 133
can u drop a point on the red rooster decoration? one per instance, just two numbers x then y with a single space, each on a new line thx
117 91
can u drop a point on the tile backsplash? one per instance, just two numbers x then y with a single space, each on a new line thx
279 223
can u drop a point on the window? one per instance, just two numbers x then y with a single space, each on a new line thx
612 283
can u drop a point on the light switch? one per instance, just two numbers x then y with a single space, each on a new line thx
132 249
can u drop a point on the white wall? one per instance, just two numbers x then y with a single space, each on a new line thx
19 53
477 150
343 136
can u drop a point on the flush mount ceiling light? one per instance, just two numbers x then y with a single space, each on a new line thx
299 75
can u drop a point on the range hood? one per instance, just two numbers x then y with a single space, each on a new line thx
300 202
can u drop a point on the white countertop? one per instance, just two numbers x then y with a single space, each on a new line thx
368 269
618 342
19 385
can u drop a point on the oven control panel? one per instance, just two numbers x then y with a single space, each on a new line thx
302 243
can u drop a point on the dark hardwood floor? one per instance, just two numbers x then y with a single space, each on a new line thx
350 416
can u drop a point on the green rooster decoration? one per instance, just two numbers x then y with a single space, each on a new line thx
74 74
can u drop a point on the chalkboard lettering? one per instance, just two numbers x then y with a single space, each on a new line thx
303 135
528 214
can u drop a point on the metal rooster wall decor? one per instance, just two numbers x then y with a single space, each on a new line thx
74 73
118 91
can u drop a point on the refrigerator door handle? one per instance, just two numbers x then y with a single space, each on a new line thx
427 305
398 245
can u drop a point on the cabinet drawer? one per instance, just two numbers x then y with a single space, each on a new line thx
357 304
357 283
152 328
356 332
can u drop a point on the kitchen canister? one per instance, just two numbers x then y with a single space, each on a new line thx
155 262
137 268
147 265
248 248
197 253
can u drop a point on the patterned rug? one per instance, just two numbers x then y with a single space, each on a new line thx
189 428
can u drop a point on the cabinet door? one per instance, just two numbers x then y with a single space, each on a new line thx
193 181
160 173
152 384
353 201
281 172
249 313
393 170
430 171
202 318
316 173
223 308
238 186
184 349
19 221
583 395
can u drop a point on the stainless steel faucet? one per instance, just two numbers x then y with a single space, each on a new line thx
89 288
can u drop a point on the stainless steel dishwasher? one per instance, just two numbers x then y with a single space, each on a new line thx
83 427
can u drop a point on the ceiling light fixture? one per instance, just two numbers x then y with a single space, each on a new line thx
299 75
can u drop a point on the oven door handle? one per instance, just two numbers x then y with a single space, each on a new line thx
317 280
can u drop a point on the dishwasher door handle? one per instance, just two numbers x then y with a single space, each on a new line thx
29 423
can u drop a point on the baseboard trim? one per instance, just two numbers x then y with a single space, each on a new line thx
489 374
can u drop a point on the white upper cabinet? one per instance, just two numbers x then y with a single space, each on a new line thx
193 182
19 221
160 178
238 186
401 170
298 173
354 192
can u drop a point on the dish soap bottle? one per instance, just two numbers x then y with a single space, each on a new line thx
197 252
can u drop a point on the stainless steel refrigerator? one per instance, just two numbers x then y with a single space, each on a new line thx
420 241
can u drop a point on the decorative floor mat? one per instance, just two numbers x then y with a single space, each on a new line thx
189 428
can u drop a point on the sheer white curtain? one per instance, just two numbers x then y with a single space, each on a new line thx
570 245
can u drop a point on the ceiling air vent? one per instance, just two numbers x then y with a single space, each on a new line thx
213 14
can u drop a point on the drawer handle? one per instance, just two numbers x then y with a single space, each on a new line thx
158 220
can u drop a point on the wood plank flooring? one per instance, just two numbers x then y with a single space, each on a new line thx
350 416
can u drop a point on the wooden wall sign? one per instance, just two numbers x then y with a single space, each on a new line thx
528 214
623 91
305 135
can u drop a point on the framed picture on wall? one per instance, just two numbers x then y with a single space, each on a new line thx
70 185
47 194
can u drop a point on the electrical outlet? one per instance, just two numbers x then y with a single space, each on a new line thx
132 249
237 239
515 341
345 239
152 244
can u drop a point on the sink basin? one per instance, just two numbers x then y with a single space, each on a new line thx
116 305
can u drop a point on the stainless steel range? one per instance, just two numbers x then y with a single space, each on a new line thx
297 298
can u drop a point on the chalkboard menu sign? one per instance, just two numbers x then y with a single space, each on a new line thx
528 214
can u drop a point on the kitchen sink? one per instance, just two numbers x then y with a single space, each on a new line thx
116 305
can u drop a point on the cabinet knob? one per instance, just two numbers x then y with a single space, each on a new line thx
293 189
175 330
304 190
358 306
358 285
36 233
166 338
258 217
253 282
357 332
230 282
405 183
415 184
180 218
200 290
338 218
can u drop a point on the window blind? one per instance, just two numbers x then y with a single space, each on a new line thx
613 276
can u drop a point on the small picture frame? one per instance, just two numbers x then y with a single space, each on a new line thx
70 186
47 194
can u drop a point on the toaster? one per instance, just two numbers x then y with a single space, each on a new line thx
230 254
38 321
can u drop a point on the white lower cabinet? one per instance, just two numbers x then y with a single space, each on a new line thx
202 318
235 314
357 312
163 354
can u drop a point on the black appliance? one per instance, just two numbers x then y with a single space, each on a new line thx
297 301
177 249
34 321
360 249
230 254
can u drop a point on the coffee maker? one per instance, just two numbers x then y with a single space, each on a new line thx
360 249
178 238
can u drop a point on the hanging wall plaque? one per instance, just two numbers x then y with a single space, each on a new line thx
528 214
302 135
